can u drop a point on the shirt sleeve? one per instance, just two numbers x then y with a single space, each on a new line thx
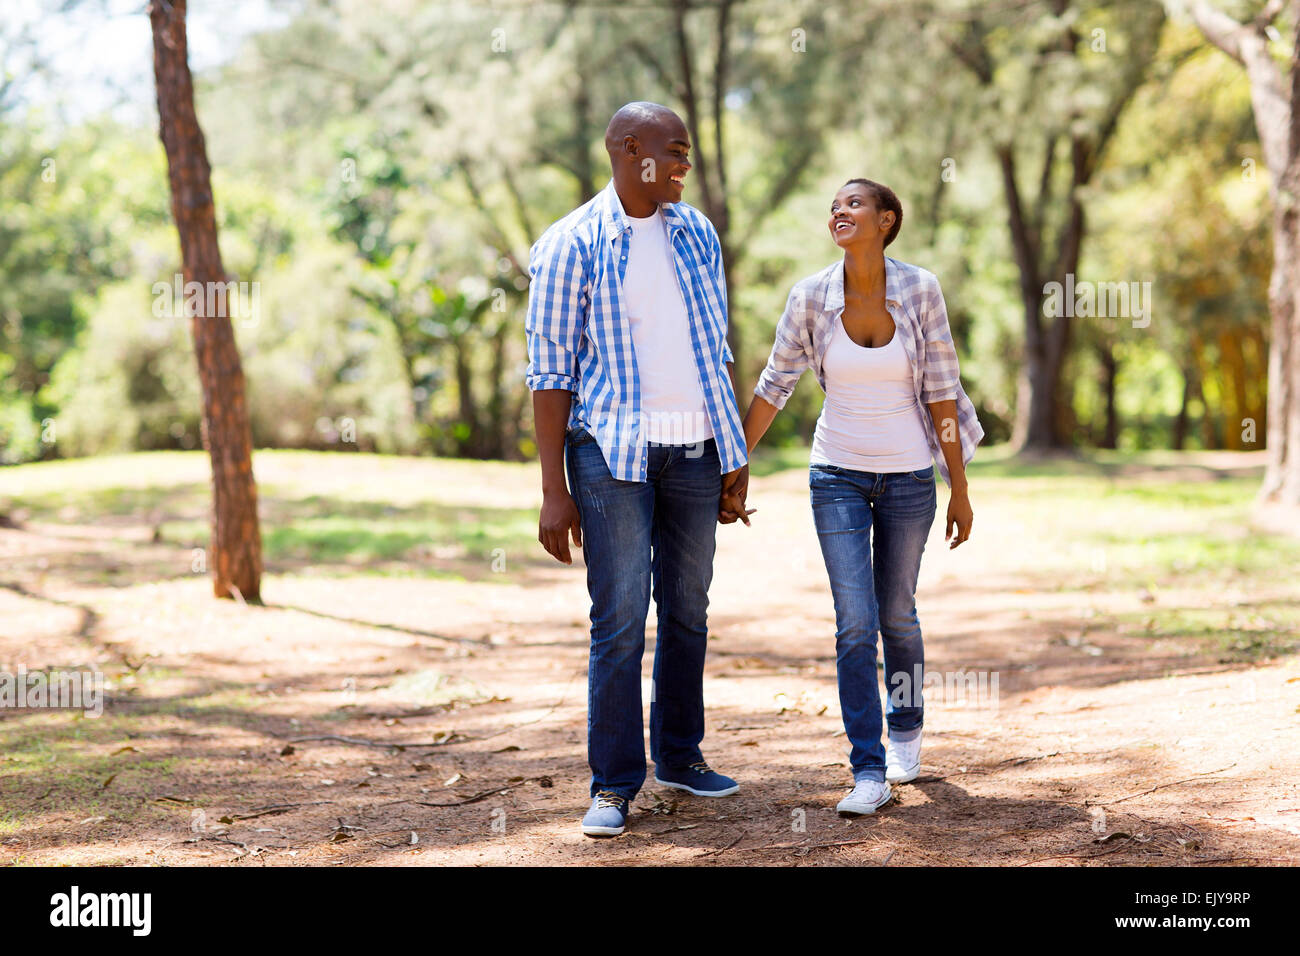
718 268
941 376
790 353
556 314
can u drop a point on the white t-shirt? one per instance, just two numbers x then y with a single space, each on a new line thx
672 399
871 420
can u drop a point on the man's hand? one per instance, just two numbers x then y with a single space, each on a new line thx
959 514
559 519
735 489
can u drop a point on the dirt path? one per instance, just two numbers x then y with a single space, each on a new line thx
1102 745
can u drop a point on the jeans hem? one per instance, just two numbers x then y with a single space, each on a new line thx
904 736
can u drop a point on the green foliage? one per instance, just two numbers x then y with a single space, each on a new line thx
380 170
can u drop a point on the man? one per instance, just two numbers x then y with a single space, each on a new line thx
627 326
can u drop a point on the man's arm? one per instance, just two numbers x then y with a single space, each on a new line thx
559 517
554 326
735 484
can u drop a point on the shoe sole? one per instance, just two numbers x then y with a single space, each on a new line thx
602 831
864 813
906 777
699 793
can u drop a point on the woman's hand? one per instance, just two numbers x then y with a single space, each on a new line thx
959 514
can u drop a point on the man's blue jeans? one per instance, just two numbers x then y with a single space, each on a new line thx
874 586
640 538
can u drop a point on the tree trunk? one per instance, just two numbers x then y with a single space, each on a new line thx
1179 438
1237 405
236 545
1110 373
1282 474
1275 102
496 438
469 442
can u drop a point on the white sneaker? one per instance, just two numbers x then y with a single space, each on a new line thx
903 760
867 795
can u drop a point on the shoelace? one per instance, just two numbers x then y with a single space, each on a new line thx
701 767
608 798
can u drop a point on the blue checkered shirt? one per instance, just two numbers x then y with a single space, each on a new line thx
579 338
915 300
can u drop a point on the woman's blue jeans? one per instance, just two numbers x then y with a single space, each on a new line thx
638 539
874 586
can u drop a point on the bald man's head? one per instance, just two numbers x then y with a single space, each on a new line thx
648 148
633 120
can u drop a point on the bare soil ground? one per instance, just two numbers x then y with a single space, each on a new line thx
435 714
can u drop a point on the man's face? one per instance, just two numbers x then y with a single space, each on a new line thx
661 159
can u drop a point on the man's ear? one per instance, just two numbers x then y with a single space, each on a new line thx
630 145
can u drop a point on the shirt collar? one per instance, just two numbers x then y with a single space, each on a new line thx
615 218
835 293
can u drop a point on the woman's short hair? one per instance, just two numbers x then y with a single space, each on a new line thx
885 199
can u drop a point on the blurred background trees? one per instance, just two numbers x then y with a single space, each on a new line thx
381 169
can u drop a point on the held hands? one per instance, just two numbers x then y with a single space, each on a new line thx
735 488
558 520
959 514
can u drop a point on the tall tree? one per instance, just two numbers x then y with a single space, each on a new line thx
1275 98
1055 96
784 84
236 541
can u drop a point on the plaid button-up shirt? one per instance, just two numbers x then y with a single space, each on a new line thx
915 301
579 338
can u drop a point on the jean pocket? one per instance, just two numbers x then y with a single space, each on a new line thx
925 475
579 436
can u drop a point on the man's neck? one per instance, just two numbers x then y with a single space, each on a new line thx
633 206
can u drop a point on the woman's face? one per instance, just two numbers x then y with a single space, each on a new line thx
855 218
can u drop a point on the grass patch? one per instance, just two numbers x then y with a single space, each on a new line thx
1248 633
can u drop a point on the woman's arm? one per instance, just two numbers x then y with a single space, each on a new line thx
944 416
940 386
757 421
787 361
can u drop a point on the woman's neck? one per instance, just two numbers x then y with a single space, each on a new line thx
864 271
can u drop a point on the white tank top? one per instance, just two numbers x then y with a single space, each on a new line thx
871 420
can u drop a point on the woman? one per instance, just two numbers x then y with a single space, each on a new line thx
875 331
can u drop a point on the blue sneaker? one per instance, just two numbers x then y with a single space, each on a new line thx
607 816
697 779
